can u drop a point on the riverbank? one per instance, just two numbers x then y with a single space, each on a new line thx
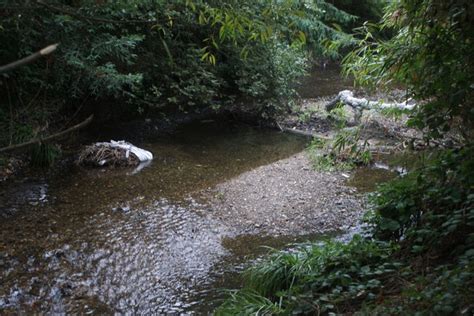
383 130
159 239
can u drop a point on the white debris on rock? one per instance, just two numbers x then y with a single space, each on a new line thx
347 97
142 154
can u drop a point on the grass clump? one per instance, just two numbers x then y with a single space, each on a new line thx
316 278
44 155
345 152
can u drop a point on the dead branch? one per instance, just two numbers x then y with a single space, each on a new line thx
102 156
35 141
347 98
305 133
45 51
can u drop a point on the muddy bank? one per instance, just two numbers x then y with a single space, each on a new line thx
287 197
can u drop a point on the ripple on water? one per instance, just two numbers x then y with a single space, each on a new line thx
87 244
146 260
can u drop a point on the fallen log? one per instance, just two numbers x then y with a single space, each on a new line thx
304 133
46 139
347 98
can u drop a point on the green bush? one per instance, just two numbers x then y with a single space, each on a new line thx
430 204
270 75
319 278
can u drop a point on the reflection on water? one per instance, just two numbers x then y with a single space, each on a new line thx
322 82
386 167
107 241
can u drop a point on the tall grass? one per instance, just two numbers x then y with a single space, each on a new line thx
44 155
313 278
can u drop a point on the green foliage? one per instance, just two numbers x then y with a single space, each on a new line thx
369 10
394 113
431 54
269 76
431 204
445 291
429 213
248 302
317 278
347 150
144 56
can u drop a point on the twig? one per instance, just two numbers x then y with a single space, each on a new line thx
279 126
46 139
45 51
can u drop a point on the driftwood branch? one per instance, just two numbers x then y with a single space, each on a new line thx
347 98
45 51
303 133
46 139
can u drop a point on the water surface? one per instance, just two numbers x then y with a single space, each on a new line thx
108 241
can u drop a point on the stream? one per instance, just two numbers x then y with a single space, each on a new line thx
135 240
112 241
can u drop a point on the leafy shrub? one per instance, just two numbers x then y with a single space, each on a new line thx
270 75
430 204
126 58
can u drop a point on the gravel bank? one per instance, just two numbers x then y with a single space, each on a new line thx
287 197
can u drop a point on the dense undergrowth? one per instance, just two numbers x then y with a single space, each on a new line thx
418 260
147 58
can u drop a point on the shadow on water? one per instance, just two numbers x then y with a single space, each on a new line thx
114 241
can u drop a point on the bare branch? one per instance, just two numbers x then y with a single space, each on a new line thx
45 51
46 139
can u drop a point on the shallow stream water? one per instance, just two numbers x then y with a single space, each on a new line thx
137 240
108 241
